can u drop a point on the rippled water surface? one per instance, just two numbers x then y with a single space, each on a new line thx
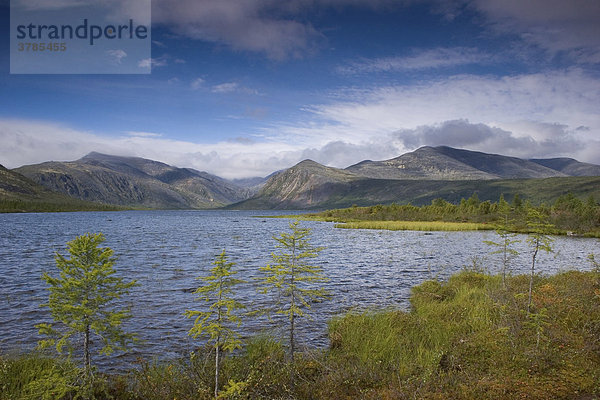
166 250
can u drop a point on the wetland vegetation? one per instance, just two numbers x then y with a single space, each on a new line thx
567 215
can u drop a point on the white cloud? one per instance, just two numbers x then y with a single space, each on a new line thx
419 60
143 134
232 87
27 142
159 62
225 87
153 62
116 55
30 142
343 154
535 115
525 139
145 63
197 83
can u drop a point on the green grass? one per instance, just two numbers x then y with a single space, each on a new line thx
470 338
36 376
415 225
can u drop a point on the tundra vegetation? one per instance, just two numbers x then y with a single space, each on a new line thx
567 215
472 336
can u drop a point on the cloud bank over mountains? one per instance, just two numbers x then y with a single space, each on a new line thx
437 96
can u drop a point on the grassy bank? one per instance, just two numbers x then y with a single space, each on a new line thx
351 223
415 225
470 337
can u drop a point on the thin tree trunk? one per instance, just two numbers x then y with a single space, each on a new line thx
86 352
532 274
292 349
504 262
217 370
218 343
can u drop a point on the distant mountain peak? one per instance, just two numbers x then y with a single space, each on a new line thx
308 162
448 163
94 155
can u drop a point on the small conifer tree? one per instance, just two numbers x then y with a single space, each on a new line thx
538 240
219 320
507 239
292 280
82 299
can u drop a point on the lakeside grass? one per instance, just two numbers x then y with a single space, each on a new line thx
394 225
415 225
421 225
469 337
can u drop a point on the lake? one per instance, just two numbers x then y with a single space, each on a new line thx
167 250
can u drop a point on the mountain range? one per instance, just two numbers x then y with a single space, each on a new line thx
421 176
418 177
135 182
446 163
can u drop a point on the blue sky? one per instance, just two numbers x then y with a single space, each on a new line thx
242 88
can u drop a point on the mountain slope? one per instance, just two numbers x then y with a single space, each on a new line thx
365 192
133 181
306 184
498 165
447 163
569 166
15 185
20 194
